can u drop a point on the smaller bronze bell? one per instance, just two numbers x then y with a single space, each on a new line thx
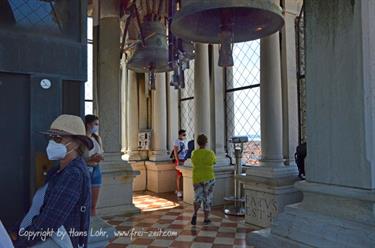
154 55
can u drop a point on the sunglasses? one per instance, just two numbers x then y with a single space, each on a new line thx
56 138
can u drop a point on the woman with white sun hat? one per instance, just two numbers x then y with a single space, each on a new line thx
63 203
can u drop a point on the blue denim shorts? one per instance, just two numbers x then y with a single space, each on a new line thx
96 176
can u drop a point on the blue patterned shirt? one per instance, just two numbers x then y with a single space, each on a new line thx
62 205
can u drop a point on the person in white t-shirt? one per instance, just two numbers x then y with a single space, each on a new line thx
95 157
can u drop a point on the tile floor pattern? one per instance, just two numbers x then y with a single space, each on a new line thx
147 228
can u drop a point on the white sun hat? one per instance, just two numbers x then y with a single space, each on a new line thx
70 125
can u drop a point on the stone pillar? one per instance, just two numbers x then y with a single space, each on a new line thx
117 174
289 81
269 186
339 194
142 103
108 79
161 172
172 115
218 109
202 92
133 118
124 110
229 111
159 120
270 102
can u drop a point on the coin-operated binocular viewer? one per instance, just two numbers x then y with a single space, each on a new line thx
238 202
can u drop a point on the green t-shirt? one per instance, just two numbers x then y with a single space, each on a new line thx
203 161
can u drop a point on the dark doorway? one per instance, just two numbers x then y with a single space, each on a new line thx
14 146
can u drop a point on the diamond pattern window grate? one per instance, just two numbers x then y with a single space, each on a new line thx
243 99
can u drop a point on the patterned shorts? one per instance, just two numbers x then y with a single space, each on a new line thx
204 193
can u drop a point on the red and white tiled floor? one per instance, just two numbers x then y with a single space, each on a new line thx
165 222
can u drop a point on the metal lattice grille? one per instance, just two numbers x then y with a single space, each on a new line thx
246 69
58 17
187 117
34 13
188 91
243 99
187 110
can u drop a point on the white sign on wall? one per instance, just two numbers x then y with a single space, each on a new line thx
144 140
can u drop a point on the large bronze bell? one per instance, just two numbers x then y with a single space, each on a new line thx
205 21
153 57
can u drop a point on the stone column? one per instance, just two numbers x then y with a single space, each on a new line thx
229 114
159 120
218 109
133 118
289 81
142 103
124 110
339 194
202 92
269 186
172 115
117 174
108 77
161 172
137 121
270 102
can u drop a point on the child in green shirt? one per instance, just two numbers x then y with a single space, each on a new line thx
203 161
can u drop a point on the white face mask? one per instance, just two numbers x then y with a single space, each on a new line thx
94 129
56 151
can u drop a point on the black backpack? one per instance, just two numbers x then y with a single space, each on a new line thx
300 156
